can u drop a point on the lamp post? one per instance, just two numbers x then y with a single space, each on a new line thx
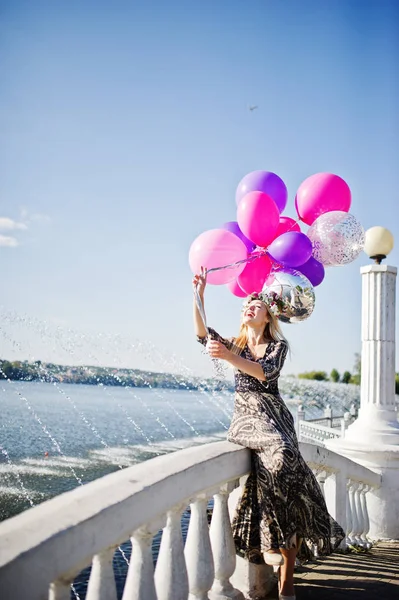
373 438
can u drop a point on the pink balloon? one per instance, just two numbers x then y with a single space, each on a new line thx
236 290
321 193
258 218
255 273
287 224
217 248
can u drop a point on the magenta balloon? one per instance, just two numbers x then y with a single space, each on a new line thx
254 275
236 290
258 218
313 270
217 248
266 182
291 249
287 224
234 228
321 193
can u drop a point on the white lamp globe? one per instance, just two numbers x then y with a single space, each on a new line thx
378 243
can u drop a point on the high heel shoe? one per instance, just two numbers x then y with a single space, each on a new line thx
282 596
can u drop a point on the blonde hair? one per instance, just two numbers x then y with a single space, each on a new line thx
272 331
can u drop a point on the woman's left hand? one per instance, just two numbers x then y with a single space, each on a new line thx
217 350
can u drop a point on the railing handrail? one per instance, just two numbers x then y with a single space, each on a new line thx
317 427
318 456
129 499
104 513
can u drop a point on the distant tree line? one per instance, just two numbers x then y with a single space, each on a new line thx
346 377
334 376
109 376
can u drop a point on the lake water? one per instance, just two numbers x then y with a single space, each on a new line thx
54 438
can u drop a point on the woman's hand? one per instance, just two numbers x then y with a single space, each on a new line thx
217 350
199 282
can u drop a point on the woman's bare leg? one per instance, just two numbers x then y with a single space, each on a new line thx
287 572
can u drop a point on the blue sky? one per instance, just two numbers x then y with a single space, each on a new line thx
125 131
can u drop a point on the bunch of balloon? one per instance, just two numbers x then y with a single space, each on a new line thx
266 251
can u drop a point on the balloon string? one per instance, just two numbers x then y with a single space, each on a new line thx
258 252
250 258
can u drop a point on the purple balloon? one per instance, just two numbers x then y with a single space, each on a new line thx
291 249
266 182
313 270
235 228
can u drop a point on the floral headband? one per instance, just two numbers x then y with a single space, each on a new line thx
272 300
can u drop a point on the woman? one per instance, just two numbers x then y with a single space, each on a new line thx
282 503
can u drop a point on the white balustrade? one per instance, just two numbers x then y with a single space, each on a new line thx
86 525
102 581
316 434
60 591
359 514
171 581
198 551
140 583
366 523
349 522
353 485
223 548
321 477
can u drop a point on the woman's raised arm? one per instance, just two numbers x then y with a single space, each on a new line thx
199 282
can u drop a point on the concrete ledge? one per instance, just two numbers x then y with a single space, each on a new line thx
331 461
61 535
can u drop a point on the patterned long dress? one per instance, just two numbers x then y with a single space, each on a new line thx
281 497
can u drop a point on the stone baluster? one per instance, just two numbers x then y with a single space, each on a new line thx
223 548
171 581
321 477
360 516
102 580
337 501
352 534
300 416
140 576
198 552
60 590
328 414
345 422
348 527
366 521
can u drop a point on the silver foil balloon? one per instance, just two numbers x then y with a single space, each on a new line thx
290 295
337 238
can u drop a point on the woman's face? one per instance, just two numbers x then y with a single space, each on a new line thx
255 314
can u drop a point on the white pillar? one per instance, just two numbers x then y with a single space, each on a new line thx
377 420
373 438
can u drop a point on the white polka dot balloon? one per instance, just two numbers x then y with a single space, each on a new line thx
337 238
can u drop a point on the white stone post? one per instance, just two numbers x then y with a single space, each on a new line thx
223 548
198 551
102 580
373 438
140 576
366 526
60 590
171 581
300 416
377 414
